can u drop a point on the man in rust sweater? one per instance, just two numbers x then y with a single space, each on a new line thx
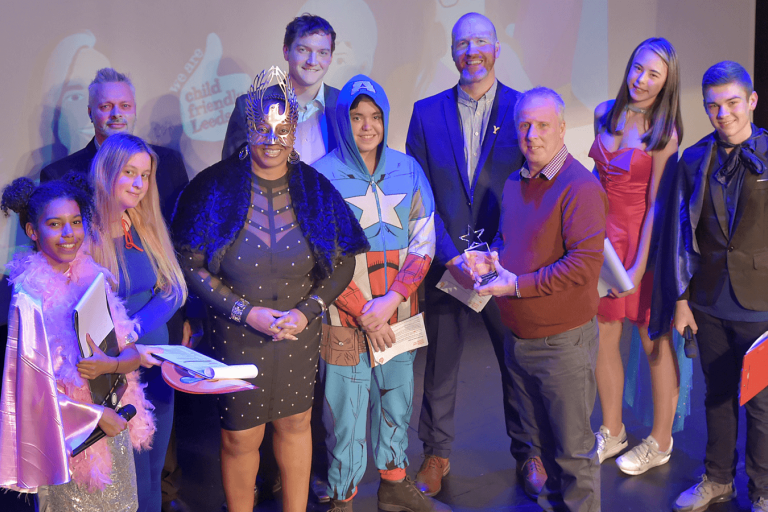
550 250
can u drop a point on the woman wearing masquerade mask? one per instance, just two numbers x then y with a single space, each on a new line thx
637 137
268 244
47 409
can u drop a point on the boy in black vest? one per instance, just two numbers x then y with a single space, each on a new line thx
713 271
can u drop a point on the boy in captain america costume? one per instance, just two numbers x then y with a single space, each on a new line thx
389 193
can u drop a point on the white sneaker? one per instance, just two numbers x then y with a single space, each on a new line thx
609 446
643 457
761 505
703 494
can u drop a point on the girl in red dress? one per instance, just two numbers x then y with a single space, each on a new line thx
637 137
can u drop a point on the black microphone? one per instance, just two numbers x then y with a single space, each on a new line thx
691 350
126 412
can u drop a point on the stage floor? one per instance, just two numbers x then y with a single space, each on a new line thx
482 474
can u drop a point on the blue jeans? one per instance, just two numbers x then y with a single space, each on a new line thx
556 389
347 392
149 463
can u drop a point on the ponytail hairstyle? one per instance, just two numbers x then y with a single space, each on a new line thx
29 201
663 117
146 217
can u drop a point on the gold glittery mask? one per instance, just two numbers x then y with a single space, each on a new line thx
268 126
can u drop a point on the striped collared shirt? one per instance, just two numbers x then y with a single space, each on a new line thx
551 169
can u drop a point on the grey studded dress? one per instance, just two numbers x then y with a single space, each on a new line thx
269 264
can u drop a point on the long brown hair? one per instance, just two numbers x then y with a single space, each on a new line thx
663 116
146 217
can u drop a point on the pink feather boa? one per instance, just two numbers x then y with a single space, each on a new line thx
59 294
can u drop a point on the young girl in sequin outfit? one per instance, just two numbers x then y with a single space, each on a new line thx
46 408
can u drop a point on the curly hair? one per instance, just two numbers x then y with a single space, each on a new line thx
29 201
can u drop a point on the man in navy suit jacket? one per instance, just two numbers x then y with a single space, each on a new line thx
467 172
308 48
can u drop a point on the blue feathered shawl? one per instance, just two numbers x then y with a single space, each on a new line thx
213 209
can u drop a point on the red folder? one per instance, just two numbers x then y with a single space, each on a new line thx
182 380
754 370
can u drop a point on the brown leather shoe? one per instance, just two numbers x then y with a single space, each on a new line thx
533 473
429 479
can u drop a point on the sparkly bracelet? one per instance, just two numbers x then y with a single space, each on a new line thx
319 301
237 309
133 336
517 290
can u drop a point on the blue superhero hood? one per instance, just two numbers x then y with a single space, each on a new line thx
356 86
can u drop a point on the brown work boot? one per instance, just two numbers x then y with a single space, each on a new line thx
340 506
403 496
533 474
429 479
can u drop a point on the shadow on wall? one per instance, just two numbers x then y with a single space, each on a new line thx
164 122
64 125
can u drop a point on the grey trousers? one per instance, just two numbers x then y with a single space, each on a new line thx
555 380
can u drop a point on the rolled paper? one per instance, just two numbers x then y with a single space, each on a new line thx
612 274
237 371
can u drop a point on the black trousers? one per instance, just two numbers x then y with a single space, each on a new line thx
448 326
722 345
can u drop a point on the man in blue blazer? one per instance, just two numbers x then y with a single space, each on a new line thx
308 48
466 142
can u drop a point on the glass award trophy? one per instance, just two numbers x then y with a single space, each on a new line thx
478 256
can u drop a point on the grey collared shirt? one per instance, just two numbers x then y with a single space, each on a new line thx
474 116
310 139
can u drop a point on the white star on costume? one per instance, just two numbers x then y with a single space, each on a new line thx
367 203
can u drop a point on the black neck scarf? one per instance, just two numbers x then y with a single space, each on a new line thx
744 154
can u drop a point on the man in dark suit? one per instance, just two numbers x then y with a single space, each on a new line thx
112 109
712 273
466 142
308 48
